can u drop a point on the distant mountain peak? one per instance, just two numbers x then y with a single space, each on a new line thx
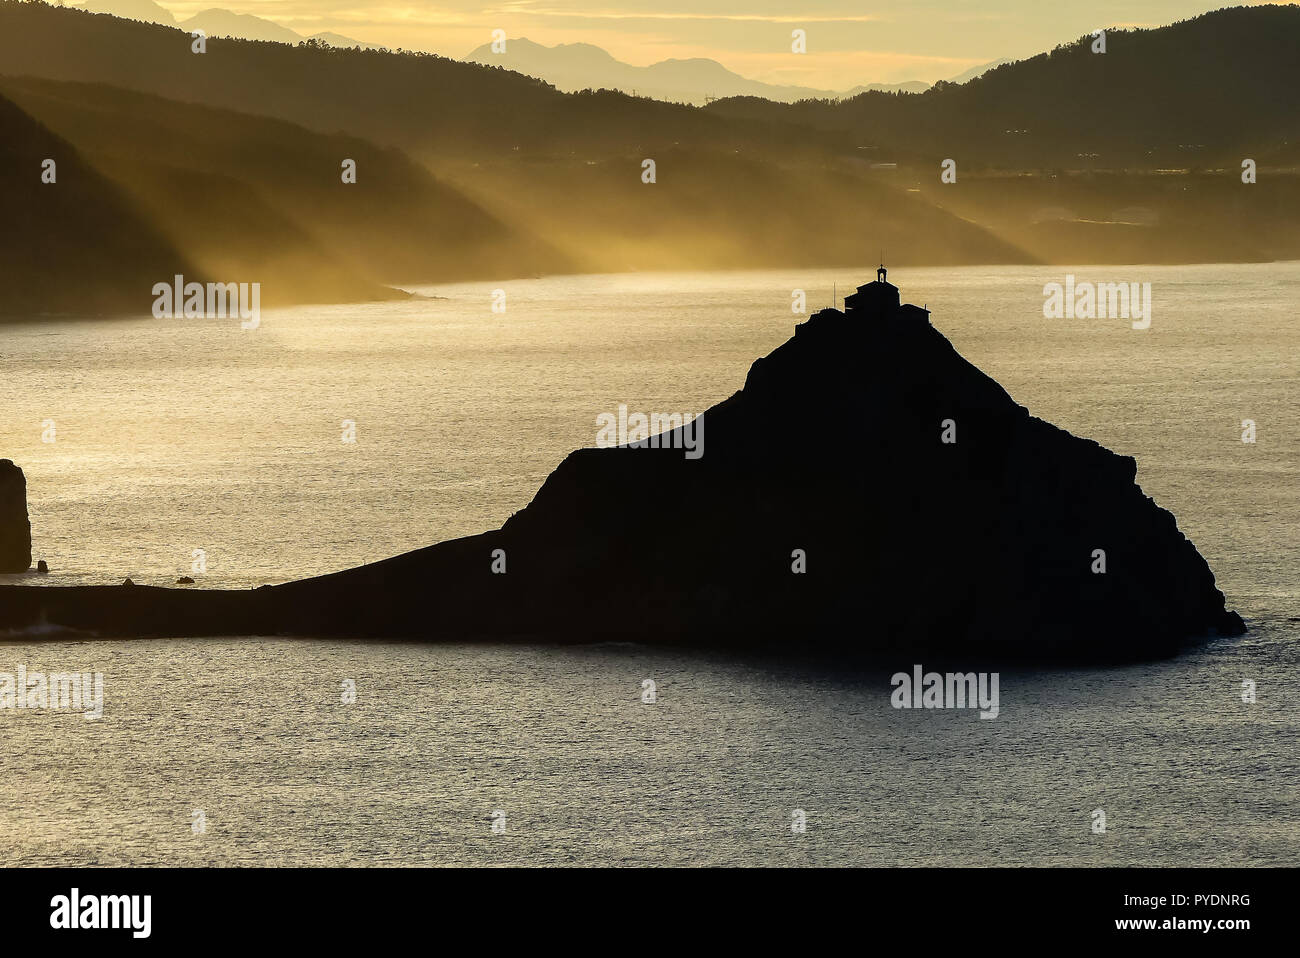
580 66
216 21
144 10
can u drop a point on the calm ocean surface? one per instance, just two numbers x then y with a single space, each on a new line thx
171 436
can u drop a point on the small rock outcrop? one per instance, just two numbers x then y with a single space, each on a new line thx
15 527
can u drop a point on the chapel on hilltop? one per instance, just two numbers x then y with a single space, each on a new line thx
876 301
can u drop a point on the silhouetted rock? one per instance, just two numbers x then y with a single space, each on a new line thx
15 528
42 567
834 447
832 459
184 580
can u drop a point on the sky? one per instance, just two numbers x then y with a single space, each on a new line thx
849 42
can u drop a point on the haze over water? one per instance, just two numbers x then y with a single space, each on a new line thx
175 435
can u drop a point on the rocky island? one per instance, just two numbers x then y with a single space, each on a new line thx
15 527
867 491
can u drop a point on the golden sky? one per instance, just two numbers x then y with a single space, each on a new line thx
849 41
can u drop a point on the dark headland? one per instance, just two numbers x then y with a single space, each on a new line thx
833 459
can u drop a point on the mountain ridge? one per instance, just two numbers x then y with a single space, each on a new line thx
835 178
572 67
1161 97
216 22
107 264
397 224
